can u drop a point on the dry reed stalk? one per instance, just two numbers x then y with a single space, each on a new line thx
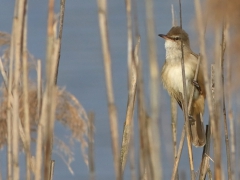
52 169
143 119
204 166
229 103
209 174
132 156
3 73
9 99
177 159
144 159
185 105
102 15
173 16
200 27
9 112
48 122
144 155
39 88
153 125
218 102
174 110
179 153
132 83
26 101
18 36
48 111
39 155
223 48
39 141
132 152
62 11
205 156
174 129
51 96
91 146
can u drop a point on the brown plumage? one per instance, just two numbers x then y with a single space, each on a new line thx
172 79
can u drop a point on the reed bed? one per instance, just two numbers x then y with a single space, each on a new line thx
30 108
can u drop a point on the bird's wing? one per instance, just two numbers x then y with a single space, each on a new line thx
177 96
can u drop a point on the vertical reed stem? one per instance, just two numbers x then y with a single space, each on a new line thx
26 102
229 104
185 106
132 84
91 146
174 110
223 47
153 125
102 15
200 27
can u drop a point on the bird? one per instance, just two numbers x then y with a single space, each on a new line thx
171 76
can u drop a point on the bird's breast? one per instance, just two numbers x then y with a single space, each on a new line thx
172 76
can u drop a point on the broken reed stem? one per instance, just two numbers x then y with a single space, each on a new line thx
25 101
177 159
223 48
62 11
185 105
132 83
200 27
52 169
4 75
153 125
91 145
102 15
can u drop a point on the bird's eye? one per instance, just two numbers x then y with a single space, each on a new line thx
176 38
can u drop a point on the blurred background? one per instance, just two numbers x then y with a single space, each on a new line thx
81 73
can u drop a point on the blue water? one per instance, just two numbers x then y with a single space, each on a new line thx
81 73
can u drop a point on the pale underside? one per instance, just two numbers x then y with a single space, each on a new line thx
172 71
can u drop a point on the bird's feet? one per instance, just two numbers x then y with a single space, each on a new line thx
191 120
195 83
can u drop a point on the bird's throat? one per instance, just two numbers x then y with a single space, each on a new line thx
173 51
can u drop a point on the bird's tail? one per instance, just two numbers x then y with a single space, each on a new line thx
197 131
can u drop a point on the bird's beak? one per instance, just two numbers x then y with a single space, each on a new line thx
163 36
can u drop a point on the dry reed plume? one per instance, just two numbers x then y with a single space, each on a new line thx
69 112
